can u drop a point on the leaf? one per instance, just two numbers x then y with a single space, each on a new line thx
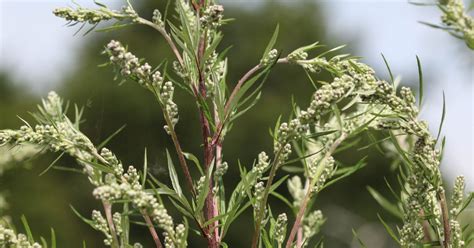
384 203
205 190
420 80
388 68
347 172
272 41
195 160
87 221
358 239
103 143
443 115
29 234
145 168
51 165
173 175
53 238
98 166
389 230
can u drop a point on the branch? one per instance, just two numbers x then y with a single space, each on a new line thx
179 151
110 222
308 195
263 203
236 89
445 215
151 227
166 36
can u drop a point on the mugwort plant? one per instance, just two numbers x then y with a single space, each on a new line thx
353 102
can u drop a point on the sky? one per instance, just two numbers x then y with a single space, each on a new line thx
370 27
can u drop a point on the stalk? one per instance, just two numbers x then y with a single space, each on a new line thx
108 215
152 230
263 203
309 193
445 215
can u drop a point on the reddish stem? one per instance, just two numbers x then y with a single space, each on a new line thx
152 230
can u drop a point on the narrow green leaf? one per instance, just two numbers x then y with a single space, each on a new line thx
358 239
384 203
347 172
53 238
272 41
29 234
443 115
87 221
106 141
388 68
173 175
145 168
195 160
420 79
51 165
389 229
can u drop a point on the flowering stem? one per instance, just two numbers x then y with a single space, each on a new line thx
236 89
263 203
110 222
166 36
309 193
151 227
179 151
299 237
299 218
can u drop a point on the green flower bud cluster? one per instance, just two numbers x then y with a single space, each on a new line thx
280 228
411 234
457 238
212 16
99 223
56 133
458 194
221 170
269 58
117 220
262 163
131 67
455 17
8 238
258 196
200 184
312 224
326 173
157 18
94 16
188 13
296 189
130 189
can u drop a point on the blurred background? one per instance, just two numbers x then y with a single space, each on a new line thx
39 54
